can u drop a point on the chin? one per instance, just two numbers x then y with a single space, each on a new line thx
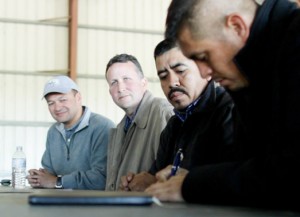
180 107
226 84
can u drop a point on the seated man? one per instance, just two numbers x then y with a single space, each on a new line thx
133 143
76 148
254 53
202 127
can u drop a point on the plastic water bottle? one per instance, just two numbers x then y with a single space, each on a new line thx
19 169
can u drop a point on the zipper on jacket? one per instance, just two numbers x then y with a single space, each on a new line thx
68 148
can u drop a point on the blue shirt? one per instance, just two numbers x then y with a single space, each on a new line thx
183 115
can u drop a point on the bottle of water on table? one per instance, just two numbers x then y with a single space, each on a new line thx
19 169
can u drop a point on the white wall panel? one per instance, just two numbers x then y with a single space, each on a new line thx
33 47
31 138
22 97
98 46
139 14
29 47
33 9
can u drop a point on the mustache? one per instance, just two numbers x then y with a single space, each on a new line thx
176 89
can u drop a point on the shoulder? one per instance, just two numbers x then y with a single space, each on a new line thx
156 104
162 107
161 103
293 31
101 120
54 127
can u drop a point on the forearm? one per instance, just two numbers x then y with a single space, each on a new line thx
90 179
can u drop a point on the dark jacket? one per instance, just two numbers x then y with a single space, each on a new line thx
267 173
206 136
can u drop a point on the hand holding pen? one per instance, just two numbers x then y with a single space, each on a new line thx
171 170
168 189
177 160
164 175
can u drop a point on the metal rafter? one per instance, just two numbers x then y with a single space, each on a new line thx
73 26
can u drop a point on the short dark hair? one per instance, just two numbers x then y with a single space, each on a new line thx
164 46
178 12
123 58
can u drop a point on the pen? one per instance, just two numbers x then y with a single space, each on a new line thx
177 160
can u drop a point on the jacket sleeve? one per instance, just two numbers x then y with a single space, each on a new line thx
164 151
46 158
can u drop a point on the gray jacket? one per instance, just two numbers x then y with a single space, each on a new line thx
135 151
82 160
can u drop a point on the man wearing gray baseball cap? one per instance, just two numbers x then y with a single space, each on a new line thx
60 84
76 147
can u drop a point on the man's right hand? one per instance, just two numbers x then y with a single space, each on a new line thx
41 178
136 182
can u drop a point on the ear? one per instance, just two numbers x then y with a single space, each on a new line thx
145 82
239 25
78 96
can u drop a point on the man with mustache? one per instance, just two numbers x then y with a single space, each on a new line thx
133 143
252 48
201 131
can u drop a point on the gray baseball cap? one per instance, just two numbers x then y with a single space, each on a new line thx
60 84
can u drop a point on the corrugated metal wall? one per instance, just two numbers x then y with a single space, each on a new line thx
34 46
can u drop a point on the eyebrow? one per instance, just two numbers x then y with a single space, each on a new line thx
176 65
58 98
172 67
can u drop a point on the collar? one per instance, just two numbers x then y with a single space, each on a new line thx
129 120
70 131
82 123
183 115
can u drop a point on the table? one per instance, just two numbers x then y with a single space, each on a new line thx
14 203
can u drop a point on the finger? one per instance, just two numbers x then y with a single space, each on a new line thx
33 182
164 174
30 179
42 170
121 187
35 185
32 171
123 182
130 176
152 188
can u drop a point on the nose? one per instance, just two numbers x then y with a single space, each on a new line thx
57 106
205 71
121 87
174 80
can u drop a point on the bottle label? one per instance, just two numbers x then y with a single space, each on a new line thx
19 173
19 163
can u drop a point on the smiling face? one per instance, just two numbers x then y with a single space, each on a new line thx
180 78
126 86
65 108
